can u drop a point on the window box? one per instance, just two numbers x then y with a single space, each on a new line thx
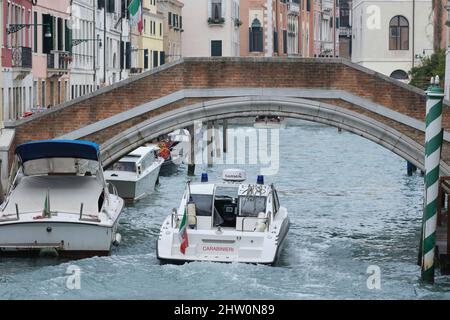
220 20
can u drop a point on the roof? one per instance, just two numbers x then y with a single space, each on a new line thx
142 151
58 149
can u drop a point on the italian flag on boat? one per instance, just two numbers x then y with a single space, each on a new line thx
183 234
135 10
46 212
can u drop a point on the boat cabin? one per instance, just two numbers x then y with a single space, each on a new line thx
231 204
137 161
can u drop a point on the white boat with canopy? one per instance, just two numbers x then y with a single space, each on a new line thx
59 201
226 221
136 174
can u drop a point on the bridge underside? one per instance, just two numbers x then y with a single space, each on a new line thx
333 112
121 134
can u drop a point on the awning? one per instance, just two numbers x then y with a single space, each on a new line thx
58 149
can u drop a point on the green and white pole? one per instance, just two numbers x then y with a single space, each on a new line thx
433 144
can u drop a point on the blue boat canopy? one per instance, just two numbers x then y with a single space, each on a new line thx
58 149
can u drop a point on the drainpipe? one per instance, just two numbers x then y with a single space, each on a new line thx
95 44
413 32
277 27
104 43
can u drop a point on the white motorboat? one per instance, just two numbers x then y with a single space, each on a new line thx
59 201
136 174
227 221
174 150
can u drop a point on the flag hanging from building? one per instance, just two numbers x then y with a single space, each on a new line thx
135 10
183 234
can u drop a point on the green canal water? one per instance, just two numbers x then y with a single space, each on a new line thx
351 206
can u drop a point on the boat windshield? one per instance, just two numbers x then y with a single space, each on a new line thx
203 204
127 166
66 166
250 206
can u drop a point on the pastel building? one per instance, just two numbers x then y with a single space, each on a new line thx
52 41
84 47
271 28
16 58
172 28
391 37
326 28
147 46
211 28
112 35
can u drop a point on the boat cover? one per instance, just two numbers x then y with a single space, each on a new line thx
58 149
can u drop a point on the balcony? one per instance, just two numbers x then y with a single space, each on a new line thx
216 21
293 8
345 32
22 57
58 60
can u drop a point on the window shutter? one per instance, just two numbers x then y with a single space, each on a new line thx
223 8
170 18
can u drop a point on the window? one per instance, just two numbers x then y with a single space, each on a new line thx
35 31
203 204
399 33
285 51
399 75
216 9
155 59
256 36
216 48
170 18
43 94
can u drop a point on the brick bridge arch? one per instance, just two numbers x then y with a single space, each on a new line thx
331 91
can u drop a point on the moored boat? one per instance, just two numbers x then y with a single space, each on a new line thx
136 174
59 201
226 221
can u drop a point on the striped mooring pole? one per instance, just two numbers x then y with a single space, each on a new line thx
433 144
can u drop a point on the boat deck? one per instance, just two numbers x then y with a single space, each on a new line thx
67 193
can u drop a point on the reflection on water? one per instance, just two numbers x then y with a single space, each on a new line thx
351 206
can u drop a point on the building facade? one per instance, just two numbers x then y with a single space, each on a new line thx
172 28
16 56
345 29
326 28
51 53
112 37
1 65
270 28
211 28
391 38
84 47
147 47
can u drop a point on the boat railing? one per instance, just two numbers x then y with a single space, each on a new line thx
176 218
114 189
82 216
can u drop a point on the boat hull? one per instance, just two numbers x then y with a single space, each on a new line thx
253 248
132 190
60 238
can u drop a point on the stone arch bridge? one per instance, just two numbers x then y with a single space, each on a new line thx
330 91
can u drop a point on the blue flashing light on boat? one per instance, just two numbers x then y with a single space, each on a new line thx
260 179
204 177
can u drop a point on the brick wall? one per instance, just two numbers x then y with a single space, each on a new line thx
223 73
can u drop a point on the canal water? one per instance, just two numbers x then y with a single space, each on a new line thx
352 209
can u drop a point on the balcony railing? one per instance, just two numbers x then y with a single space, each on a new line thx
22 57
219 20
293 8
58 60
